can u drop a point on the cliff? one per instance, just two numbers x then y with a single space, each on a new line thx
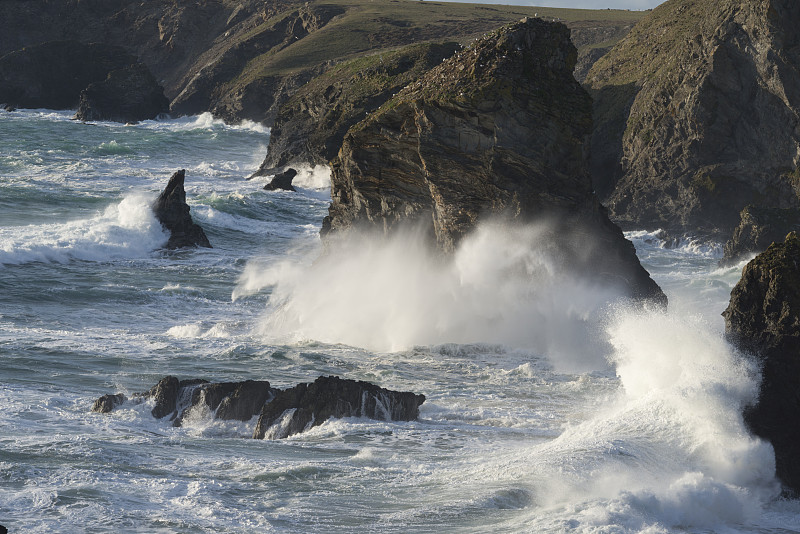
763 317
499 129
696 115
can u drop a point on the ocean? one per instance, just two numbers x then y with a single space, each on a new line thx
552 406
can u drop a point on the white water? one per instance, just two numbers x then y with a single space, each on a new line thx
551 407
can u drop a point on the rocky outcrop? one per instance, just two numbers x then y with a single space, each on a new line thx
308 405
499 129
763 317
126 95
310 127
282 181
759 228
53 74
172 211
696 115
282 412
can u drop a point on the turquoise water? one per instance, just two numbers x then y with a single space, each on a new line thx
551 408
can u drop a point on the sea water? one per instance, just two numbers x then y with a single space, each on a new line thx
552 406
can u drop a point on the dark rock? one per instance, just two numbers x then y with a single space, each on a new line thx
282 181
313 404
106 403
3 530
127 95
696 113
172 211
758 229
238 401
499 129
310 126
53 74
165 395
763 317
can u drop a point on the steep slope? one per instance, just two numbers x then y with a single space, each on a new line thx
696 115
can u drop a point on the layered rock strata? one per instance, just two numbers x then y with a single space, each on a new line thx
758 228
282 413
697 114
499 130
763 317
127 95
172 211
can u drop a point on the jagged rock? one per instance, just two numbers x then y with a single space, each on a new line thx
499 129
308 405
696 115
53 74
310 126
126 95
107 403
758 229
238 401
282 181
172 211
763 317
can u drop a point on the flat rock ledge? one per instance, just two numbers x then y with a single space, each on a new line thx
172 212
282 413
763 318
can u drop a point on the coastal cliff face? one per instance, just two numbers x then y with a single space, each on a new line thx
697 114
498 130
764 318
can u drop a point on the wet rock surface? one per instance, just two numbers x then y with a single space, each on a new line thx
759 228
282 181
763 318
172 211
131 94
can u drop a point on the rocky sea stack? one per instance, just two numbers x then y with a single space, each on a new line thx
131 94
696 115
764 318
172 211
499 130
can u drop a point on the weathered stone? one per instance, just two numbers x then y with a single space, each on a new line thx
308 405
696 115
172 211
130 94
107 403
763 318
238 401
165 396
282 181
499 129
758 229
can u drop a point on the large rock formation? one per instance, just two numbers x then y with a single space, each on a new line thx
758 229
499 129
308 405
282 412
172 211
126 95
764 318
697 114
52 75
310 127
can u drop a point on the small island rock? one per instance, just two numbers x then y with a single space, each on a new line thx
172 211
127 95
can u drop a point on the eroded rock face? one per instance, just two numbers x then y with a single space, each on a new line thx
130 94
282 181
696 115
53 74
172 211
499 129
308 405
763 317
758 229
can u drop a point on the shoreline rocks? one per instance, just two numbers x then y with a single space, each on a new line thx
127 95
172 211
282 181
758 229
282 413
763 318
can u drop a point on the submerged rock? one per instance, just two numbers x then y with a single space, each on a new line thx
282 181
308 405
172 211
763 317
758 229
131 94
498 130
696 115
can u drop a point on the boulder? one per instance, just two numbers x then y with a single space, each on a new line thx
500 129
305 406
107 403
763 318
172 211
131 94
282 181
696 115
53 74
758 228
